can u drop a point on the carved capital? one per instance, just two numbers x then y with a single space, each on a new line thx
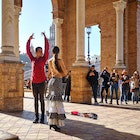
119 6
57 21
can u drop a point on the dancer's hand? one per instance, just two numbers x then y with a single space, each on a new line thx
43 33
32 36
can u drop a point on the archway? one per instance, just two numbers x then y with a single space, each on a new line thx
94 46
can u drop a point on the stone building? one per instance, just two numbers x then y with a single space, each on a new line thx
51 39
119 23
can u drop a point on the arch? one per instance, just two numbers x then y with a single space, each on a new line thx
58 8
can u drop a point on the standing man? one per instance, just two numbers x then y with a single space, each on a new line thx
38 76
68 87
92 77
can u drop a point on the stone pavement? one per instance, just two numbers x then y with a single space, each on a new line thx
113 123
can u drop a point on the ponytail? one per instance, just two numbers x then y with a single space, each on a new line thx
56 51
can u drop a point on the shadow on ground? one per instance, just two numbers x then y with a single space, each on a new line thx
83 130
88 131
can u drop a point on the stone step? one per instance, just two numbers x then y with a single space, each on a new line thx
7 136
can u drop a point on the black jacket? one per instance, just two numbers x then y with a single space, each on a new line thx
93 80
106 78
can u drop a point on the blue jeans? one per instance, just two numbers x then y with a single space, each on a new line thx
113 87
124 95
135 95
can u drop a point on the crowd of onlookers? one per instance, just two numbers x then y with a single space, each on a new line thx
123 85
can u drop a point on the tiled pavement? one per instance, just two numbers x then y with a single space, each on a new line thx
113 123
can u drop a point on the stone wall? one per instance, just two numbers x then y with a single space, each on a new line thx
104 14
69 33
130 36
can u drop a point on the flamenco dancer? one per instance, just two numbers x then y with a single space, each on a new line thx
55 109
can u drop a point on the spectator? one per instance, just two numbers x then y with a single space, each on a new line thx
125 86
135 87
105 84
114 78
68 87
92 77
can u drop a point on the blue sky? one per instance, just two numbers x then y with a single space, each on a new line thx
36 17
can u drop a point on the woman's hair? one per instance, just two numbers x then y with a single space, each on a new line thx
55 51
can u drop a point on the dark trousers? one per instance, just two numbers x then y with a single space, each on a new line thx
38 91
106 93
94 91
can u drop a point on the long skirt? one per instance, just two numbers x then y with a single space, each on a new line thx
55 109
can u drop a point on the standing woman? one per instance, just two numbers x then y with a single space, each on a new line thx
114 80
55 109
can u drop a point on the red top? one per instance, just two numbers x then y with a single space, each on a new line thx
38 72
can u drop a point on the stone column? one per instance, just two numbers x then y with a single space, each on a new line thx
119 7
11 69
81 92
8 31
58 33
80 34
16 44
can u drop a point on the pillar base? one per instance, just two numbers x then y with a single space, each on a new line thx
6 58
81 92
11 87
120 66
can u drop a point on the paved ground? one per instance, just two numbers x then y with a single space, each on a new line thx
113 123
